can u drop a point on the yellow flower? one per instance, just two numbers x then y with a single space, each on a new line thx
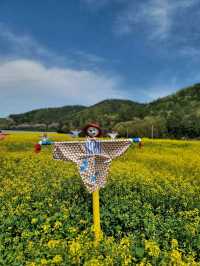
57 225
34 220
30 263
72 229
30 245
125 242
108 261
57 259
152 248
44 262
74 247
160 169
53 243
191 229
82 221
141 264
93 262
46 227
174 244
176 256
127 260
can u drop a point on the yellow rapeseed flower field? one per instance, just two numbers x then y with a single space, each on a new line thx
150 208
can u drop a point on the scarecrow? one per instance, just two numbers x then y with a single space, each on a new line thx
112 134
74 133
93 158
44 141
139 141
3 135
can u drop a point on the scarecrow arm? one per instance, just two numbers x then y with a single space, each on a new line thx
115 148
68 151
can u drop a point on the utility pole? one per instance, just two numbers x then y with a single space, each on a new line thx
152 131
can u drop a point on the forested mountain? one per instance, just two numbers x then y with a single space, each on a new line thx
186 100
45 119
47 115
109 112
177 115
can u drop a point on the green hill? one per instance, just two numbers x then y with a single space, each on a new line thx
4 123
186 101
45 119
177 115
47 115
109 112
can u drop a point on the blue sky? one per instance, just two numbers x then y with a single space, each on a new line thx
55 53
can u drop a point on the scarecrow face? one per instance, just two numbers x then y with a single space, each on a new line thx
92 132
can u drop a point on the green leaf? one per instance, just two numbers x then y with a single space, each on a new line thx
139 252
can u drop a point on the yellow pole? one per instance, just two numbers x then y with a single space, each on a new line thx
96 216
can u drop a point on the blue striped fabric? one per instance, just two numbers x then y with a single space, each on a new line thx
93 147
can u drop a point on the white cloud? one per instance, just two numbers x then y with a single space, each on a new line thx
88 57
27 84
20 44
161 86
31 76
164 85
154 93
191 52
25 46
158 17
153 14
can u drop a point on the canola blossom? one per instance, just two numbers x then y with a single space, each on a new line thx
150 206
